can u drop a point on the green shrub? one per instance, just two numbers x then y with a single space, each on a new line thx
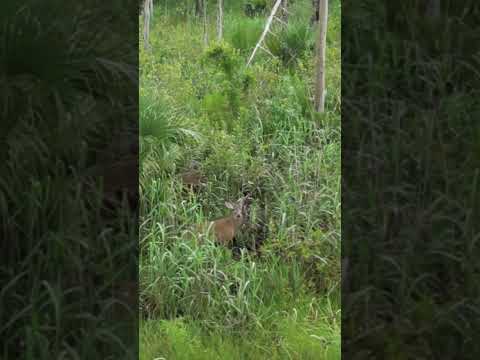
155 116
223 105
224 56
293 42
218 111
253 8
244 33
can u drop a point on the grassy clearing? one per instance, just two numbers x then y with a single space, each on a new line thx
251 130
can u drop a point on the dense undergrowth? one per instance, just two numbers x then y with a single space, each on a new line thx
250 129
69 85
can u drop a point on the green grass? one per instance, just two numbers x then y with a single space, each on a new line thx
411 171
250 129
177 339
68 92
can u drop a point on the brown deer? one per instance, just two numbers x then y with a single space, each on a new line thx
226 228
192 178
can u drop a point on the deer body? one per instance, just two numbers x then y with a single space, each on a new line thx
193 178
226 228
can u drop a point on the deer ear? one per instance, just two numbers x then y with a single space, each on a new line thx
229 205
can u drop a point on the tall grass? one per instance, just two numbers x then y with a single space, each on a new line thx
67 87
243 33
412 180
258 133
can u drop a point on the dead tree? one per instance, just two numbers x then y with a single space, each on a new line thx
220 20
265 31
147 11
205 23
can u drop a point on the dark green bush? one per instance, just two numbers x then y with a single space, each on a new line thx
255 8
292 43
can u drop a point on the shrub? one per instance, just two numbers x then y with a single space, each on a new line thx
243 33
255 8
293 42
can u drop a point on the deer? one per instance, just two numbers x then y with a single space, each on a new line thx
227 228
192 178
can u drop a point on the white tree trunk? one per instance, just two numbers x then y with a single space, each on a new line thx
220 20
205 24
321 47
147 7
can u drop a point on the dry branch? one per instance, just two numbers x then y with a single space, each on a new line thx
265 30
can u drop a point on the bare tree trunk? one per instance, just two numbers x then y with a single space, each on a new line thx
146 23
205 23
321 46
220 20
285 10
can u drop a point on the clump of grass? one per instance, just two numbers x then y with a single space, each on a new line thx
243 33
294 339
293 42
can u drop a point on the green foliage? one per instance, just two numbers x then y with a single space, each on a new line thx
223 105
67 85
418 181
293 42
243 33
217 108
224 56
155 117
258 133
255 8
296 339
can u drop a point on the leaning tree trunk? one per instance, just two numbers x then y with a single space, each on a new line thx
321 46
265 31
220 20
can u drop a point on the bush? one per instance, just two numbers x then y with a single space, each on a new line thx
255 8
293 42
243 33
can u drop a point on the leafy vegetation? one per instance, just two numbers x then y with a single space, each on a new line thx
67 86
411 224
250 129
